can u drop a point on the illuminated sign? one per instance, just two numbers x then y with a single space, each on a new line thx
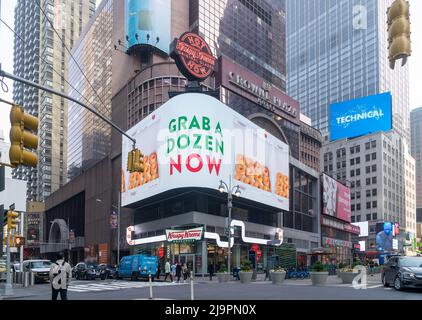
195 234
336 199
193 57
362 116
194 140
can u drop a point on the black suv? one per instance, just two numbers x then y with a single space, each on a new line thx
107 271
402 272
86 271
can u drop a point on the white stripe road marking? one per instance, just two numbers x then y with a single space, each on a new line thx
115 286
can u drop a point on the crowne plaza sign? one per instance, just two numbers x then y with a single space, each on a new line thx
243 82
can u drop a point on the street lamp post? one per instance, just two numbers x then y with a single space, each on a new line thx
118 223
236 190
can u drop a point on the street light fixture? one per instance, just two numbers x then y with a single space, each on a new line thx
230 191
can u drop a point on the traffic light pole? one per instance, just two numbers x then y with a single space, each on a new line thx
21 247
58 93
8 288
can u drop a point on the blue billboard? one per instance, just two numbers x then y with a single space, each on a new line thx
148 21
361 116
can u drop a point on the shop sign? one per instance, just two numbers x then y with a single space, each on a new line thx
189 235
193 56
254 88
336 243
341 226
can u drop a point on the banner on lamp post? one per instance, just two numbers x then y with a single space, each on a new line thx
113 220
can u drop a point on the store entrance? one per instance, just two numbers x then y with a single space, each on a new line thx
189 259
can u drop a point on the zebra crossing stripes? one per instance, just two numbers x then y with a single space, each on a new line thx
115 285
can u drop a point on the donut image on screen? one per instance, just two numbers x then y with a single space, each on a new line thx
137 179
252 172
282 185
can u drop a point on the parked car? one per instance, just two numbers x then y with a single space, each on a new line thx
86 271
402 272
2 270
107 271
40 268
137 266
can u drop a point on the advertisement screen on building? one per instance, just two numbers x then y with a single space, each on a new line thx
147 21
194 140
336 199
362 116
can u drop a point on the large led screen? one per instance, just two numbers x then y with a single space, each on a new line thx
149 18
362 116
194 140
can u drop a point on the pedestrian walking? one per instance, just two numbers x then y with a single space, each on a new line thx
173 271
178 271
158 271
60 275
211 270
185 272
167 271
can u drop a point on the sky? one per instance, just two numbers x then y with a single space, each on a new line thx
6 57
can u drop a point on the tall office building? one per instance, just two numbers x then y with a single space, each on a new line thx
416 151
252 33
40 40
89 137
336 51
380 172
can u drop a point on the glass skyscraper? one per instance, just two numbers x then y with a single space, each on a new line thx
338 50
416 150
68 19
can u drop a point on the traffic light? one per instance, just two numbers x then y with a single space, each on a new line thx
399 32
12 222
21 138
138 163
19 241
135 161
130 161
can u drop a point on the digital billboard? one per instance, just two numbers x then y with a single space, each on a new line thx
362 116
336 199
194 140
149 19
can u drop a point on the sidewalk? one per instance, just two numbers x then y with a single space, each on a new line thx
21 292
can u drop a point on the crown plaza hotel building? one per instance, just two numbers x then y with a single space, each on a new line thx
248 38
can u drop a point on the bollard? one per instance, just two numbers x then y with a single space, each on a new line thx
32 278
192 297
25 280
150 288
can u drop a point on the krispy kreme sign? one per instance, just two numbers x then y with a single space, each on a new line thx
193 56
185 235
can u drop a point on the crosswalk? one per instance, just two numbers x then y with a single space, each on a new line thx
115 285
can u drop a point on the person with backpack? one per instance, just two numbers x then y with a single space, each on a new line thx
60 275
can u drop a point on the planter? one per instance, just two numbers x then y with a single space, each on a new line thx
278 277
245 277
319 278
347 277
223 277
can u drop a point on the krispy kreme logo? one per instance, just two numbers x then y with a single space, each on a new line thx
184 235
193 56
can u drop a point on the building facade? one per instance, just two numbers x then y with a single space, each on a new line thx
38 21
337 51
89 137
381 176
141 83
416 151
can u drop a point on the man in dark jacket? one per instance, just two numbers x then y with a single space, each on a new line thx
211 270
178 271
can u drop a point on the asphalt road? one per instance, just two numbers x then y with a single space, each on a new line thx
205 290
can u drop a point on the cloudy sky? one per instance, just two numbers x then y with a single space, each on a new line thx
6 57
